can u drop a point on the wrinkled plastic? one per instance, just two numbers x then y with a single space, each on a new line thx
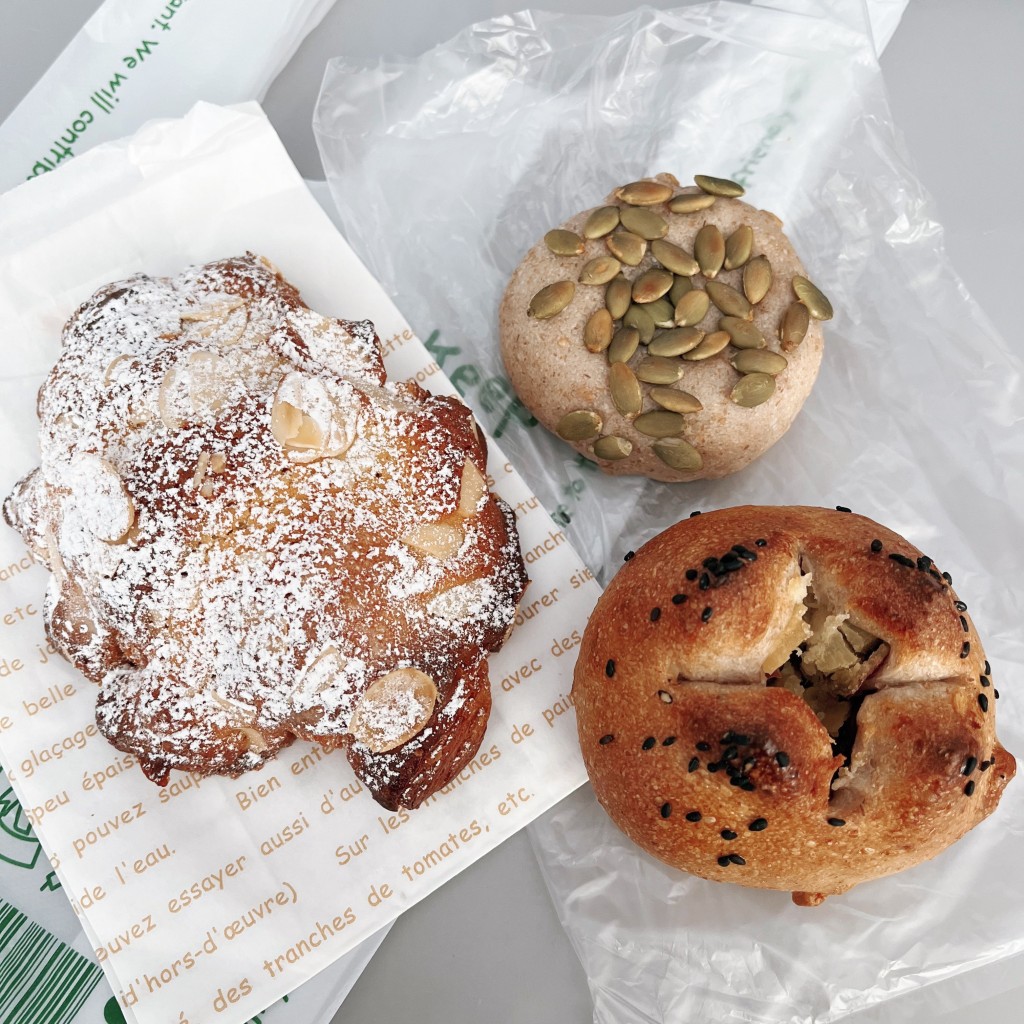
447 168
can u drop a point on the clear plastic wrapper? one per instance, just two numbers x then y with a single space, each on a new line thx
447 168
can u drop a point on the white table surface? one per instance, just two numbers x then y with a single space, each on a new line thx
488 946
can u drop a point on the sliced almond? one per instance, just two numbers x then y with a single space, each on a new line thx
394 709
101 498
307 422
438 540
472 488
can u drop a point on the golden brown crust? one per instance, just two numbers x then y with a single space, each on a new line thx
249 526
555 374
692 707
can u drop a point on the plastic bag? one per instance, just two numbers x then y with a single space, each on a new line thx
133 62
446 169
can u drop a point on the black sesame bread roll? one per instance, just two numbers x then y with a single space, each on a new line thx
670 333
788 698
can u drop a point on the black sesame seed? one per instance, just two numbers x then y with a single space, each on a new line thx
837 822
985 681
731 562
727 833
745 553
730 753
628 555
735 858
969 788
648 743
988 669
724 862
609 668
655 614
693 765
747 786
969 765
960 606
876 546
782 758
695 513
666 810
995 693
947 578
704 582
984 766
963 623
693 816
758 825
705 615
924 563
735 779
668 741
710 563
935 573
966 649
678 598
692 574
713 766
761 542
903 560
703 746
842 508
605 740
739 738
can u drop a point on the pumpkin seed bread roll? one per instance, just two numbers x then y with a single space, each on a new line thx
255 536
788 698
670 333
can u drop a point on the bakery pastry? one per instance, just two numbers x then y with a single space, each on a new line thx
255 536
670 333
788 698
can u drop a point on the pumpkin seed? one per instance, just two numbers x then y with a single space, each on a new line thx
711 345
659 370
660 423
758 360
644 193
599 270
613 448
794 326
624 344
757 279
709 248
626 246
651 285
638 317
643 222
728 300
692 308
579 425
718 186
675 400
673 257
813 298
617 297
602 221
598 332
738 247
742 333
678 454
662 312
551 300
564 243
690 202
753 389
625 389
680 286
675 342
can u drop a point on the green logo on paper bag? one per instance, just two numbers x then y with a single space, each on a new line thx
18 844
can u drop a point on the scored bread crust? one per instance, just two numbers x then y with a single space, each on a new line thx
255 536
684 739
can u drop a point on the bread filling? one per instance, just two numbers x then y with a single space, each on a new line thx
827 661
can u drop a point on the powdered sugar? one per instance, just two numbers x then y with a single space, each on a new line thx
227 479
